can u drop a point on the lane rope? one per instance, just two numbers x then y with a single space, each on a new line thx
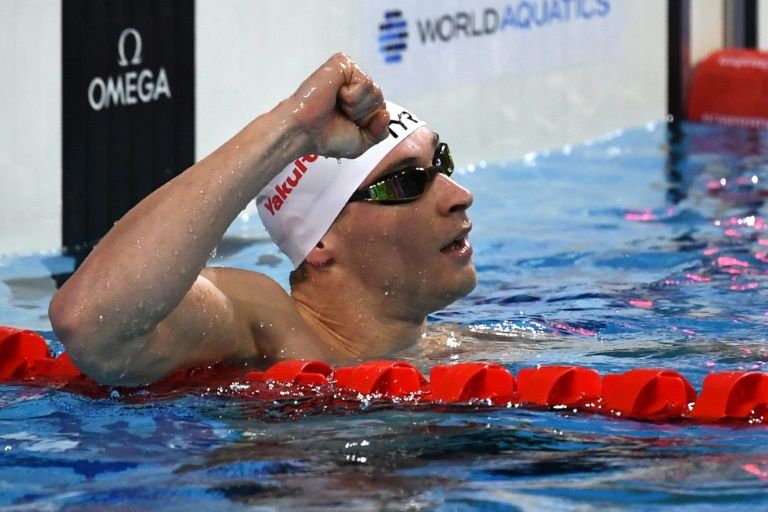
641 394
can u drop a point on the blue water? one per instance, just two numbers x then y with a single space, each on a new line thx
613 255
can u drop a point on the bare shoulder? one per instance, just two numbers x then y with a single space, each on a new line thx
263 307
255 296
239 284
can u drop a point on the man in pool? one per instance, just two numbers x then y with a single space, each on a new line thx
377 233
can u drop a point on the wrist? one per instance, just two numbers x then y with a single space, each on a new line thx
288 133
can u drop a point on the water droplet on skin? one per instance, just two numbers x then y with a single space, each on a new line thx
101 318
190 228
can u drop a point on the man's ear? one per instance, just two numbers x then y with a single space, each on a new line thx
319 255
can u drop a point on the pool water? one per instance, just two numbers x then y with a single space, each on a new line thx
647 249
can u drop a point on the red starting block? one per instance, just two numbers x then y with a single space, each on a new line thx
728 88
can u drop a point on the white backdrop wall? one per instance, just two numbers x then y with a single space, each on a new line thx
539 92
762 24
30 125
251 55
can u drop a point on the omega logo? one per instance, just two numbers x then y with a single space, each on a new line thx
132 86
136 60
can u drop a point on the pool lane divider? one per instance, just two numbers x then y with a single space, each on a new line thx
639 394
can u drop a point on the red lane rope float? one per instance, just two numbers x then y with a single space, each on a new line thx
466 382
642 394
648 393
24 354
560 385
732 395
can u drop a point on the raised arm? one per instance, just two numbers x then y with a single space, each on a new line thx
138 308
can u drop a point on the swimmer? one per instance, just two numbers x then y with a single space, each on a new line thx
355 191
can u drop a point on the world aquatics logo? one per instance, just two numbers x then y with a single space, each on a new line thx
393 36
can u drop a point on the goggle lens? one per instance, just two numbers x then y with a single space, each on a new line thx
402 186
408 184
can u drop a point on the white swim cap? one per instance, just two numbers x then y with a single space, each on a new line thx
299 205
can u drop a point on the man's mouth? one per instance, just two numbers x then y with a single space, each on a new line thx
456 245
460 243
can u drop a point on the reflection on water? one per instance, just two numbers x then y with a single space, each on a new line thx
647 249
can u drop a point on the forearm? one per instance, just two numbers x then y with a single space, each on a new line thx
148 262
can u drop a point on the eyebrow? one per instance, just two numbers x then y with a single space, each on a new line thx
410 161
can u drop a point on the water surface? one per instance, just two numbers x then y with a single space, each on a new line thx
639 250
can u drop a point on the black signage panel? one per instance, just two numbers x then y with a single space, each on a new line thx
128 107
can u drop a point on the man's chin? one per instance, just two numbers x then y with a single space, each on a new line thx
464 285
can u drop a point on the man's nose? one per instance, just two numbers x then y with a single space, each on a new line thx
453 197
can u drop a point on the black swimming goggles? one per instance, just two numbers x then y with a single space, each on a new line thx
406 185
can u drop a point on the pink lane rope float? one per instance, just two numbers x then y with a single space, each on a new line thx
642 393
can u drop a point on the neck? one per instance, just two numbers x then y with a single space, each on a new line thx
354 324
